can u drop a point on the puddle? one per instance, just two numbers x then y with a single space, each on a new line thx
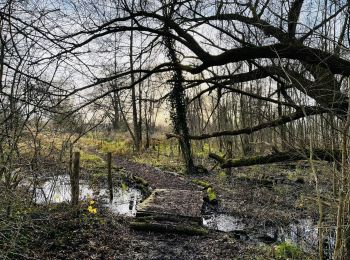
223 222
303 233
58 189
124 202
300 233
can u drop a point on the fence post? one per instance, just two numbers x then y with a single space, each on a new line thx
74 179
158 153
110 181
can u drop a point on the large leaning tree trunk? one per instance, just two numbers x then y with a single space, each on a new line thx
137 133
178 104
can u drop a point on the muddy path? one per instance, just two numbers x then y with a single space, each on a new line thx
155 177
252 198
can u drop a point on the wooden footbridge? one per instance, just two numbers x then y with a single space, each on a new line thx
170 210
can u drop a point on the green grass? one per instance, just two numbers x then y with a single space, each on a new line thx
288 250
91 160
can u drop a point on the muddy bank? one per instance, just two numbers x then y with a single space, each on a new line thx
64 235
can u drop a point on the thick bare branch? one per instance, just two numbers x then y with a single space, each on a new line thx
300 113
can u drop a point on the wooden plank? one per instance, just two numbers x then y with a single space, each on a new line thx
180 203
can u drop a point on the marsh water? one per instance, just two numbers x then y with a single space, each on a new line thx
302 232
58 189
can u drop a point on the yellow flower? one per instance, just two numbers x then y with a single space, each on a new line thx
92 210
92 202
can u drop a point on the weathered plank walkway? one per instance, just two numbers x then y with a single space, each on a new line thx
181 203
171 210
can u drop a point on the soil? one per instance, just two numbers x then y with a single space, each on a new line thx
114 240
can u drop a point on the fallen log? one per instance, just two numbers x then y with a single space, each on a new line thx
166 219
154 216
289 156
166 228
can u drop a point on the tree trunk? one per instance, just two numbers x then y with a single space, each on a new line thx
326 155
281 127
136 140
178 105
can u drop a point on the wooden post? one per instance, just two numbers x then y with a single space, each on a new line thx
158 154
70 163
171 149
229 153
74 179
110 181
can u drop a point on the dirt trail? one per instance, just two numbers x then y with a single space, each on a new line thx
154 176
